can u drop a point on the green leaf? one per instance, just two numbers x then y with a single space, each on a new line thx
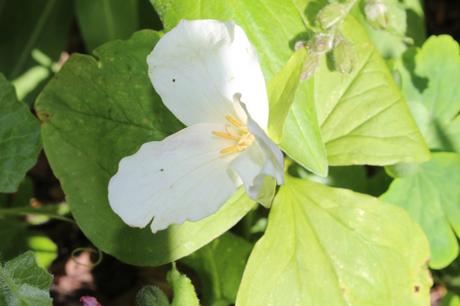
23 283
364 118
39 24
281 92
16 239
326 246
286 23
96 112
406 22
184 292
451 300
45 250
12 236
431 196
151 296
101 21
430 78
220 266
19 138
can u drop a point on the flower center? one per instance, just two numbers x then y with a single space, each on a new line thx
238 133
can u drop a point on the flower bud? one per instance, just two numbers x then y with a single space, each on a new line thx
331 15
343 56
322 43
310 65
376 12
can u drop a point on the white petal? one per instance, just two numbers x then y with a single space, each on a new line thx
262 159
199 65
183 177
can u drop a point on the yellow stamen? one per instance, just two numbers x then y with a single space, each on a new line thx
225 135
231 150
240 135
237 123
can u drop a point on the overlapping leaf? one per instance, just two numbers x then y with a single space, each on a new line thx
96 112
431 195
363 116
19 138
326 246
23 283
220 266
101 21
40 24
430 78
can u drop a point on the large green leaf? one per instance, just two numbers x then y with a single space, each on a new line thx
220 266
27 25
96 112
431 195
19 138
23 283
363 116
101 21
326 246
430 78
273 26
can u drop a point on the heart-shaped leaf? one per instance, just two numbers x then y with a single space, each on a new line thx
326 246
431 195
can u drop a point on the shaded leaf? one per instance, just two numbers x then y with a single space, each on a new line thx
38 24
101 21
151 296
220 266
19 138
23 283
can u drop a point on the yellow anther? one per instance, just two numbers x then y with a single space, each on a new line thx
241 137
231 150
225 135
237 123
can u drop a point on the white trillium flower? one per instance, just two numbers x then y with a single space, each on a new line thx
202 70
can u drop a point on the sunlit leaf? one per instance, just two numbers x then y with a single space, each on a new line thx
432 197
326 246
363 116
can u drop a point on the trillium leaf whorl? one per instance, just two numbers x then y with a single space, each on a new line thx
208 74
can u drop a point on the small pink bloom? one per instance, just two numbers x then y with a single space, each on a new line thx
89 301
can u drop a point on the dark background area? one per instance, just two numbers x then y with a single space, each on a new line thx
443 17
